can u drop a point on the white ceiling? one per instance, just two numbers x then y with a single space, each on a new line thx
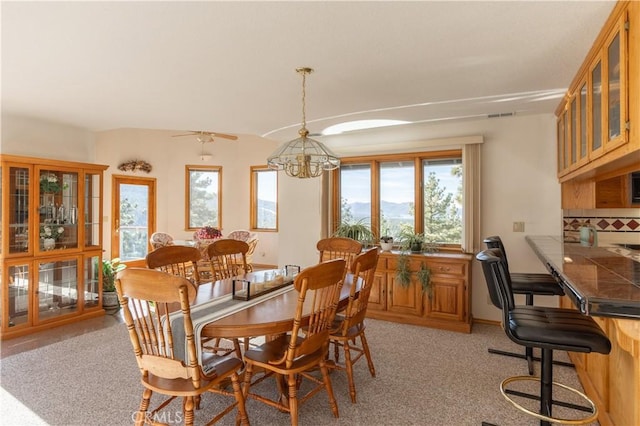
230 66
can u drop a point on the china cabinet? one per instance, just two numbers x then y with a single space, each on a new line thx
447 305
50 243
598 119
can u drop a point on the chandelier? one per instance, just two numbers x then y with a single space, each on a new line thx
303 157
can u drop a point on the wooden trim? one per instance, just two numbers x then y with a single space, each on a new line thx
52 162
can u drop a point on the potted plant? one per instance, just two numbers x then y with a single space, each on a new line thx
411 241
386 241
359 231
110 269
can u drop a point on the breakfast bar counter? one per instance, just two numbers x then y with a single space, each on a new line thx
599 280
603 283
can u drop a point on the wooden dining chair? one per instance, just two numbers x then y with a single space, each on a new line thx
339 248
294 355
176 260
146 295
352 325
228 259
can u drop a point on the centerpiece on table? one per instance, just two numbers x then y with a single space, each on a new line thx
205 236
50 234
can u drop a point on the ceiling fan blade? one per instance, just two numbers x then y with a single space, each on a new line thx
223 135
201 133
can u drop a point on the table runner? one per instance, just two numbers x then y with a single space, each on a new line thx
210 311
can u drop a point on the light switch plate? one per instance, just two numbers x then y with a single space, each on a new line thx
518 226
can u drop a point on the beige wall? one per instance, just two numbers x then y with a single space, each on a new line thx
36 138
518 180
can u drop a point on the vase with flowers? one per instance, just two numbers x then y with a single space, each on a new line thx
50 184
49 235
205 236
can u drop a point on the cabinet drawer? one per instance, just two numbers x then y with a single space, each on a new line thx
448 268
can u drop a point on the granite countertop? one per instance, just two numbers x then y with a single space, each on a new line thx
600 281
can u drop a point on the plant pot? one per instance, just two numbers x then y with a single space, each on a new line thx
110 300
386 246
416 248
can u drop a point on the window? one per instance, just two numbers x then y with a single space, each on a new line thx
204 198
264 199
422 192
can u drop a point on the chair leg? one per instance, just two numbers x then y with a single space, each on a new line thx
349 366
188 411
242 418
144 406
367 354
327 384
292 384
546 385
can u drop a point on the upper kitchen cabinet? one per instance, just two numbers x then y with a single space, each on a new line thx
598 119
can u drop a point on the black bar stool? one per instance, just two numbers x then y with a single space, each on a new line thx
546 328
529 284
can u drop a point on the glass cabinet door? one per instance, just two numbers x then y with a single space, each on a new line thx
583 123
18 211
561 145
16 287
573 137
57 292
92 209
58 210
615 111
91 280
596 109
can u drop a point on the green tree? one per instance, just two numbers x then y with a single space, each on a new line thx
133 240
203 197
442 223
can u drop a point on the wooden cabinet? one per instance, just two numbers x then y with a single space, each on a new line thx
595 131
445 305
51 246
611 381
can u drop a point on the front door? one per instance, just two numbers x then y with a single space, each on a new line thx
134 218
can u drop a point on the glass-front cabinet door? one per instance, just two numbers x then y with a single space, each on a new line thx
91 280
92 208
18 200
595 80
58 210
57 287
615 112
15 283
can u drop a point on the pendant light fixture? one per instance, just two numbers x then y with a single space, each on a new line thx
303 157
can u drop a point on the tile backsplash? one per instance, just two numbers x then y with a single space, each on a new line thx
613 225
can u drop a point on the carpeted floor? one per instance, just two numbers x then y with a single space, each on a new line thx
424 377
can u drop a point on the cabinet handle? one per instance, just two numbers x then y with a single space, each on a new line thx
442 268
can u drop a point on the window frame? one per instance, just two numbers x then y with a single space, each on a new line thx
253 199
187 184
374 162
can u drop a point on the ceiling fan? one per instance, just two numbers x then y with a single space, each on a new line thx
204 137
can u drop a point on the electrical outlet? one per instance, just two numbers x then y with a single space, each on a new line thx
518 226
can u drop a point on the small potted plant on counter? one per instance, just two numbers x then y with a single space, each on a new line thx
386 241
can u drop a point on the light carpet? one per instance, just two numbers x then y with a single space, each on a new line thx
424 377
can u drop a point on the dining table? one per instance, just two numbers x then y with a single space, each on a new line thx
271 316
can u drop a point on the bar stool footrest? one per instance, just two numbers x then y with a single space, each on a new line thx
590 418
